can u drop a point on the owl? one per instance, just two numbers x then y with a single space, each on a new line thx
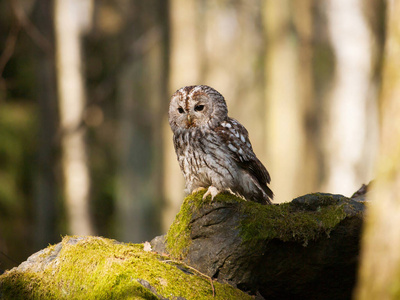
213 150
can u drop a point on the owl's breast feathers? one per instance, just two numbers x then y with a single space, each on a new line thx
192 148
213 156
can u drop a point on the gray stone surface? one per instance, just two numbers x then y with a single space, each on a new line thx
324 268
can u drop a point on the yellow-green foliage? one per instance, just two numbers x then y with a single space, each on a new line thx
287 222
99 268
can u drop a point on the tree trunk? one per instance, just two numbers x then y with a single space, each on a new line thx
380 268
46 186
349 110
141 92
285 102
71 19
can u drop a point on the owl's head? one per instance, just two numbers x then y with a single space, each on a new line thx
196 106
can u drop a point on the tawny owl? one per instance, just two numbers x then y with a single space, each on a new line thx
214 150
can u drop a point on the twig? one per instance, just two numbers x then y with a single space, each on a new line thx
12 260
212 287
21 22
9 48
195 270
40 40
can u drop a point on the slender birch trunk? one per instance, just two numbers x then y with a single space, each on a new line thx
71 19
348 142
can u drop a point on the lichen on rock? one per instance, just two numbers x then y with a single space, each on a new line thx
100 268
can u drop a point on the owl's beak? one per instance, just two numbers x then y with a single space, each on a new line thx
189 118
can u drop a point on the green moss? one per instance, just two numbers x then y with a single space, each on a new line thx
290 221
99 268
301 222
178 236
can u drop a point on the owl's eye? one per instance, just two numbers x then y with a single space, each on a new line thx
181 111
198 107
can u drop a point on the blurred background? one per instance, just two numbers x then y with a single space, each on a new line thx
85 146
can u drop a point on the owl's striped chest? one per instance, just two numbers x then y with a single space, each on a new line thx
202 158
191 150
194 149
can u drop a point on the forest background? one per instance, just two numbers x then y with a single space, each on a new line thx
85 146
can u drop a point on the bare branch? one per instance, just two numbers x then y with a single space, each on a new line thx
38 38
8 51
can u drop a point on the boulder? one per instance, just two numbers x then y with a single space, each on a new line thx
227 248
305 249
100 268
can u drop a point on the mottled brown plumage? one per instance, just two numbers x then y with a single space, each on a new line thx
214 150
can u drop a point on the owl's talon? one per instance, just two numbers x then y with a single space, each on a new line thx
198 190
213 191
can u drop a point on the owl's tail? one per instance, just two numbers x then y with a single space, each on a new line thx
263 195
268 195
254 190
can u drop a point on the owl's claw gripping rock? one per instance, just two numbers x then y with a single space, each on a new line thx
213 191
198 190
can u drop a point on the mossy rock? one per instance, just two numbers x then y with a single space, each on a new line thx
280 251
100 268
306 249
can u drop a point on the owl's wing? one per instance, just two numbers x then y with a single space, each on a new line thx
236 139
